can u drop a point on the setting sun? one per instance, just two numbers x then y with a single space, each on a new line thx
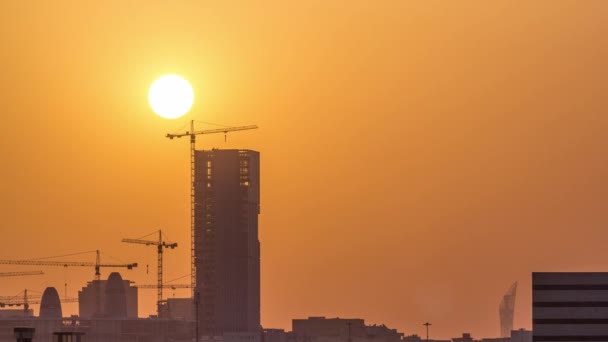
171 96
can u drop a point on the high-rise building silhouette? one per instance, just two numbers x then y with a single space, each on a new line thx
506 311
227 249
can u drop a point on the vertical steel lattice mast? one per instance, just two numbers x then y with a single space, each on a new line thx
192 218
159 273
159 265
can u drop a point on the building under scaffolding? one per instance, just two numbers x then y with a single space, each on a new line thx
227 249
506 311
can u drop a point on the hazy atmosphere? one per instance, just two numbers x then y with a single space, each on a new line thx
417 157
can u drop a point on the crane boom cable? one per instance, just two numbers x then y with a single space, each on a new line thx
145 236
178 278
63 255
211 123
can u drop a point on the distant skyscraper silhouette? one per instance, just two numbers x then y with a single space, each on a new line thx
115 297
227 249
92 298
50 305
506 311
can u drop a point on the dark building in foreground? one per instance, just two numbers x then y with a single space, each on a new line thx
102 329
227 249
570 307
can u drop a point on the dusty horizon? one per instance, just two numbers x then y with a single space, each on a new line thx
417 158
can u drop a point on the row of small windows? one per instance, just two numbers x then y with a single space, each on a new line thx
243 182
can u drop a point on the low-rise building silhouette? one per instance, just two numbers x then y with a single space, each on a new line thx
521 335
321 329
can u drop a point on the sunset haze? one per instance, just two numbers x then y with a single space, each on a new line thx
417 157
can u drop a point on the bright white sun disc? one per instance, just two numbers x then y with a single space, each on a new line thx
171 96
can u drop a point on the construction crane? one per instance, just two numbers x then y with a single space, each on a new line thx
25 301
18 274
97 264
192 134
160 244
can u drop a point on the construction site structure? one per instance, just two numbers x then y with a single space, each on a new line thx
97 264
160 244
192 133
50 302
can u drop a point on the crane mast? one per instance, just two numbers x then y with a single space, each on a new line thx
160 244
192 134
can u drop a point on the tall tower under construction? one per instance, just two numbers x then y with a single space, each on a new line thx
227 249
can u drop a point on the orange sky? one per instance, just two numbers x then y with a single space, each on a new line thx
417 156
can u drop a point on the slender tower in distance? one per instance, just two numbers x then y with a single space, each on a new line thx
506 311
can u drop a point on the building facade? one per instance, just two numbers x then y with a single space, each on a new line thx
569 307
92 299
227 249
177 308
